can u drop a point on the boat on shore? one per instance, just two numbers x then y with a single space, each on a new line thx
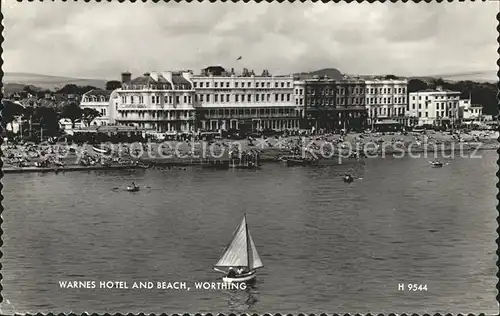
240 257
102 151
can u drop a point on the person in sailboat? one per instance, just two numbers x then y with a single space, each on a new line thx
240 271
231 273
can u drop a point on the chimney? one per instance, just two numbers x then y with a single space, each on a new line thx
232 71
146 74
126 77
168 76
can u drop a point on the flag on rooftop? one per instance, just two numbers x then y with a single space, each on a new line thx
239 58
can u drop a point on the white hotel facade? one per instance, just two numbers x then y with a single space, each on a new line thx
225 101
103 101
163 102
434 106
177 101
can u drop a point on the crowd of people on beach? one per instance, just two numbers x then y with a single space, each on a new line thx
55 154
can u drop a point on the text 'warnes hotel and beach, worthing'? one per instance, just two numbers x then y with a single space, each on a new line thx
217 99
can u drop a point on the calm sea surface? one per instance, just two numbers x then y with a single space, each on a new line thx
327 246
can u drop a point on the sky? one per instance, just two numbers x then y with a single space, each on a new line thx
100 40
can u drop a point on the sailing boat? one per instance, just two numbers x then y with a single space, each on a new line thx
240 257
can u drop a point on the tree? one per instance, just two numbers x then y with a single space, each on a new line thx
389 77
440 83
415 85
89 115
73 112
47 118
74 89
113 85
10 111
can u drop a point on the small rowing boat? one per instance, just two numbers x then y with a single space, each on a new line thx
133 188
240 257
436 164
348 178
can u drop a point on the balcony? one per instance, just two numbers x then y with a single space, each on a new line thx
153 119
236 116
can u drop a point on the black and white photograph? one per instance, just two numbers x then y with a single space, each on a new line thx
249 158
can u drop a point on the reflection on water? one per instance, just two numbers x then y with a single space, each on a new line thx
242 301
327 246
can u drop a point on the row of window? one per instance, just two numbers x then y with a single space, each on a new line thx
94 99
352 90
157 87
386 111
441 106
413 97
242 84
272 124
155 99
339 101
178 115
397 100
352 114
253 111
438 114
242 98
385 90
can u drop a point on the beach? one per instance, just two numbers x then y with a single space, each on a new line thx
74 157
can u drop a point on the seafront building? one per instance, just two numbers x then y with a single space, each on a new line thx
217 99
332 104
468 111
163 102
102 102
386 100
434 107
227 101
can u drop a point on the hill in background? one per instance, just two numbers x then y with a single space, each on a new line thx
15 81
332 73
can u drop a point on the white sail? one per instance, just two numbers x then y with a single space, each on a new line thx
241 252
256 262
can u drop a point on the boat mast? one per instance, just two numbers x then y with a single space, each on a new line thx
249 245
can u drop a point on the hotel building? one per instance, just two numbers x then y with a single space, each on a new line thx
434 107
224 101
331 104
101 101
351 108
158 101
386 99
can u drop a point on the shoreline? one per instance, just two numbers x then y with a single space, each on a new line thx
330 149
147 163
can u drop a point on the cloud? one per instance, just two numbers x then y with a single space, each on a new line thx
99 40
